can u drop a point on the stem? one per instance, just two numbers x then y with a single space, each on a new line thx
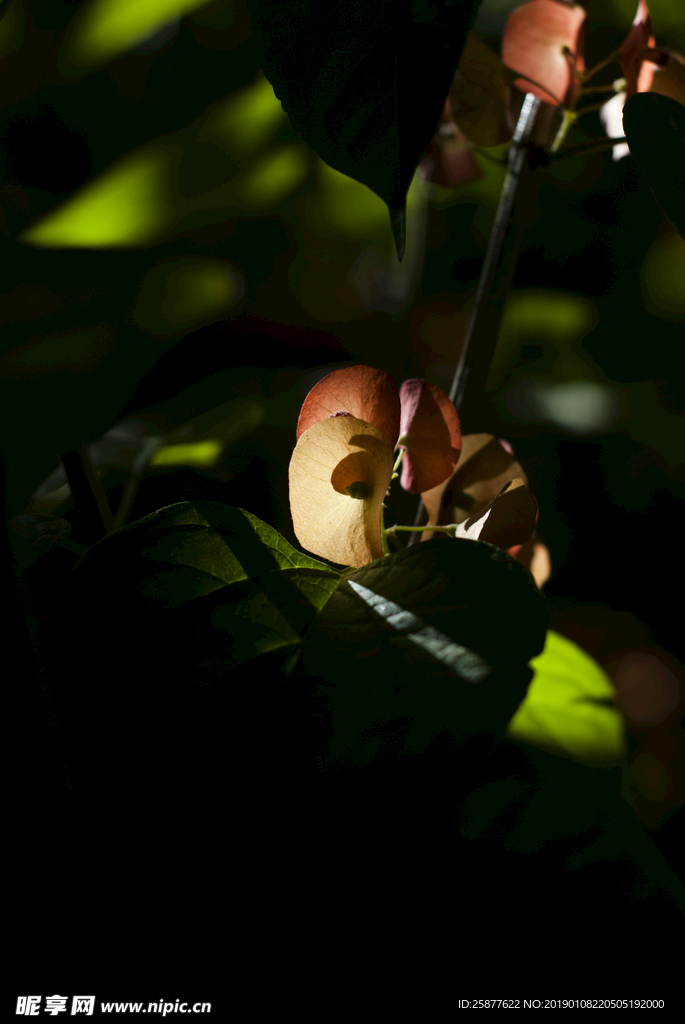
591 147
482 331
384 534
86 487
590 109
596 88
566 122
598 67
421 529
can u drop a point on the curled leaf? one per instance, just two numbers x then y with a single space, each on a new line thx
508 520
430 433
543 40
480 95
362 392
638 75
484 467
339 473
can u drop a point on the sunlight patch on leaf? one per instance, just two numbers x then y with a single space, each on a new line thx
124 206
570 706
472 667
246 120
270 178
203 455
102 29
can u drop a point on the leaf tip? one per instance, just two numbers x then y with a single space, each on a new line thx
398 220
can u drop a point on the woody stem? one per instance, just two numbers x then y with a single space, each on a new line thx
499 264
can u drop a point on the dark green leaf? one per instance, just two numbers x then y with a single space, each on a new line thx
229 586
364 81
434 638
655 130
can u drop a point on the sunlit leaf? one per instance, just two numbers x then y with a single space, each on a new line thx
508 520
362 391
339 473
542 40
570 707
217 585
202 454
102 29
484 467
430 434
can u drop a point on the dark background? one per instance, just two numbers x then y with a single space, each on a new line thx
75 361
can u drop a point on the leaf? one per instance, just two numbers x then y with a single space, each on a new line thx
361 391
480 95
364 82
338 476
31 536
654 126
540 41
219 584
430 433
484 467
104 28
508 520
431 639
570 708
636 71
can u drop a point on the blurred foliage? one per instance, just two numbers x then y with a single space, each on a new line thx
570 708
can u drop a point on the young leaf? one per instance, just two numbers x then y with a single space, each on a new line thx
484 467
430 433
361 391
508 520
339 474
654 126
364 82
434 638
543 40
570 708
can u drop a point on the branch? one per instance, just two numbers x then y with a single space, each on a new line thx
497 272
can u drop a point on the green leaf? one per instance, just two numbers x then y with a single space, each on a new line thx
212 583
655 129
102 29
570 706
364 82
434 638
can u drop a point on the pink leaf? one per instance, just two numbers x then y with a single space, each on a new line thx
431 435
361 391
